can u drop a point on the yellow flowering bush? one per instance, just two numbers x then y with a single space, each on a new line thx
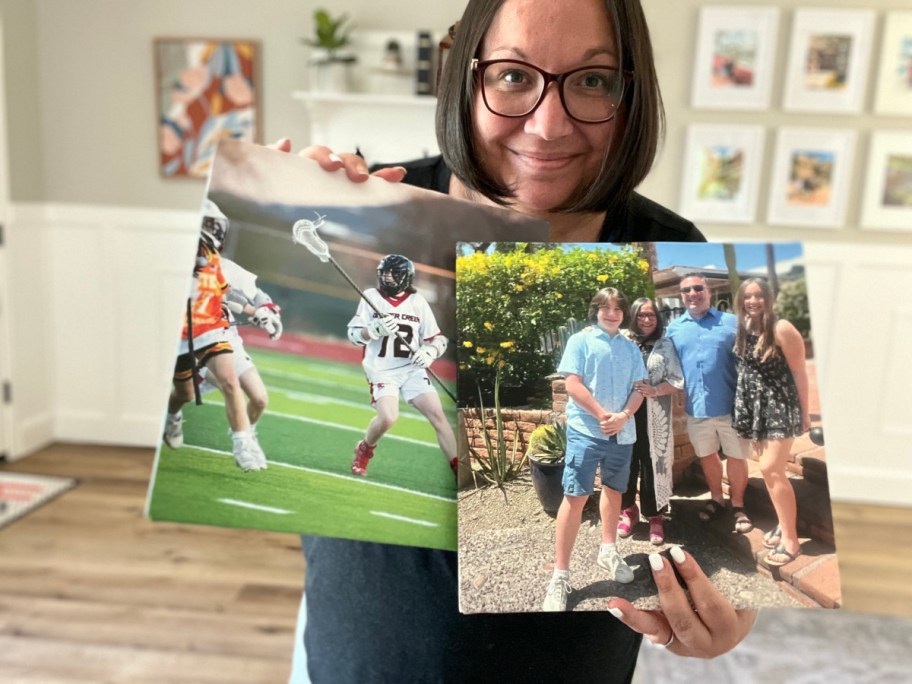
506 302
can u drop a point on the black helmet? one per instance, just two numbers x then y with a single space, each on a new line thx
395 274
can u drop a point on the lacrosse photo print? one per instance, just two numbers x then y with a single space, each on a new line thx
315 377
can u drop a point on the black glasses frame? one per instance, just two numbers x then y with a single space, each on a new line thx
695 288
479 67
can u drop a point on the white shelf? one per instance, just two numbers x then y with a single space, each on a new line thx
365 99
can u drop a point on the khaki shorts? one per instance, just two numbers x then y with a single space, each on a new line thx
708 434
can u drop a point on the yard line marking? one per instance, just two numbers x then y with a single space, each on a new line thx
347 428
409 413
349 478
256 507
392 516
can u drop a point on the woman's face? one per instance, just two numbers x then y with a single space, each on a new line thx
754 301
646 319
545 156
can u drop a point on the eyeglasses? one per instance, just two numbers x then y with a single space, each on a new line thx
645 316
695 288
513 89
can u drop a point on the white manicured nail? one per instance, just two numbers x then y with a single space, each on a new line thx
656 562
333 157
616 612
677 554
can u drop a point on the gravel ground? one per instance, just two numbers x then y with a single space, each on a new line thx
506 555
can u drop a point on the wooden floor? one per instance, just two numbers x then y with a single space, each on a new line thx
90 591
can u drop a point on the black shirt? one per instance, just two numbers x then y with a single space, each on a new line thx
383 613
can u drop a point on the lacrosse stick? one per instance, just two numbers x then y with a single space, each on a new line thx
194 377
304 232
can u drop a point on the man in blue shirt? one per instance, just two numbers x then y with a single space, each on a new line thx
704 338
600 366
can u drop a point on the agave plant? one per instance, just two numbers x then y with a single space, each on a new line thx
548 443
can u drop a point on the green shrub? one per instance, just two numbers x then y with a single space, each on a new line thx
792 305
548 443
507 301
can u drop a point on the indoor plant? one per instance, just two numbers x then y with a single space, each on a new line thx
330 67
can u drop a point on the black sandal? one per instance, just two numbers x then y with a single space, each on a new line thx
713 510
772 538
780 551
743 523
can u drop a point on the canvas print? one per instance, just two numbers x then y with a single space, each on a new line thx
620 401
887 201
733 64
811 172
722 173
206 90
316 334
894 81
827 67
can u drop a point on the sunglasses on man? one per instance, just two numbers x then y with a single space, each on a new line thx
695 288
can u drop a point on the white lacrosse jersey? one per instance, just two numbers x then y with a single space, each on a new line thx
417 325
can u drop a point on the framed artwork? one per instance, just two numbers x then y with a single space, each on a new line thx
827 68
207 89
722 173
887 201
894 79
811 173
733 66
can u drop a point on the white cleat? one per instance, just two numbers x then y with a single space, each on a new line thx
245 454
174 431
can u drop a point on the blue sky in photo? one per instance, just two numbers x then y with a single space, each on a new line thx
710 254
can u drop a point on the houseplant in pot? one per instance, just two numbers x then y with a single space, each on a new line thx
330 67
546 451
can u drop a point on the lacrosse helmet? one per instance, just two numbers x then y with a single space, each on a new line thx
395 274
215 226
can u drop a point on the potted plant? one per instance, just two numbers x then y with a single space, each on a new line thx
546 451
331 68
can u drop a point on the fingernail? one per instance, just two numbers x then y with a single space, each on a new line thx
656 562
363 173
616 612
677 554
401 168
333 157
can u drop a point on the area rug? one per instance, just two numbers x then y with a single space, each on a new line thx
798 646
21 494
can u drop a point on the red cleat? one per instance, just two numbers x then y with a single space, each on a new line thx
363 454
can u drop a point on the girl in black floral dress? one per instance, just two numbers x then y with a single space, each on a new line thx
771 404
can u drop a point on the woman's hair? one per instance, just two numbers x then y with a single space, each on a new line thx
634 326
766 347
602 297
639 125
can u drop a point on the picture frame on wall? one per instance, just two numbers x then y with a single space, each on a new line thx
812 168
828 61
733 66
207 89
894 77
887 199
722 173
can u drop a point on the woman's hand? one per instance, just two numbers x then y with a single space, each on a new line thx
647 390
706 629
355 166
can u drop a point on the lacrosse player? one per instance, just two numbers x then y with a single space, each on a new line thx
211 347
245 298
398 346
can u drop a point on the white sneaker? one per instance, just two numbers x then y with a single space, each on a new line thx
615 565
556 596
174 431
245 454
260 456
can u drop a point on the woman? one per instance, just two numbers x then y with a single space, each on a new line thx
771 404
653 452
520 135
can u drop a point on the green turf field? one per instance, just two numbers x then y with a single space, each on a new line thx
318 410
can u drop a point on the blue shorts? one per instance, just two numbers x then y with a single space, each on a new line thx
585 454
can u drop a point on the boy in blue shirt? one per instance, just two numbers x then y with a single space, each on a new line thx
600 366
